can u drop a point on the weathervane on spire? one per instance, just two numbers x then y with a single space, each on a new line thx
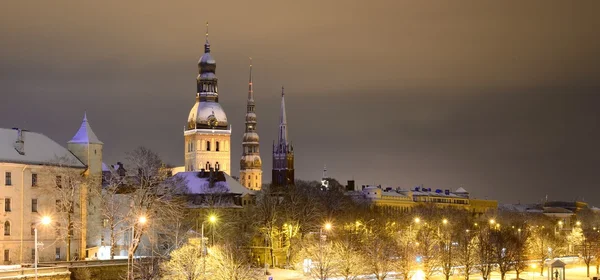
206 44
282 94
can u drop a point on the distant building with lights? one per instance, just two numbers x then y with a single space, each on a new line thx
399 200
565 212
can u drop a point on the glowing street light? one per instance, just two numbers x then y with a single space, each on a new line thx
492 221
142 220
417 220
46 220
578 223
445 221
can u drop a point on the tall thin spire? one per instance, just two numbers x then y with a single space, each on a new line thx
283 134
250 86
206 44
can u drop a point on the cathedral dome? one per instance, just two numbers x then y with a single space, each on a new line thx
207 115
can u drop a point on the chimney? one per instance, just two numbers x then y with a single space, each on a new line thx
20 142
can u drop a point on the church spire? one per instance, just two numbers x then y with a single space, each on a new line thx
283 134
283 153
250 86
206 44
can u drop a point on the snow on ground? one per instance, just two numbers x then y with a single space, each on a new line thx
572 273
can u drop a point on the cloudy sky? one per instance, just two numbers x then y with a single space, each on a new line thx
500 97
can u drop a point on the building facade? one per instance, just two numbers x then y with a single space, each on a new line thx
251 164
207 133
283 152
32 166
398 200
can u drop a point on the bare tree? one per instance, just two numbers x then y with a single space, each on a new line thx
429 249
113 208
349 256
267 216
541 239
323 255
227 262
520 251
467 252
185 263
69 187
379 249
407 249
588 248
485 252
154 195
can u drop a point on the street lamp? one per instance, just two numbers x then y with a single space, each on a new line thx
327 227
44 221
142 220
417 220
212 219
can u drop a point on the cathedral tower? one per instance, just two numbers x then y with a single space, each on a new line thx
283 152
207 133
250 164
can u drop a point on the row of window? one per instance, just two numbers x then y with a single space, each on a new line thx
7 254
7 229
8 205
191 147
8 179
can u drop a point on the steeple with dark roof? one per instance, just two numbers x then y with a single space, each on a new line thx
283 152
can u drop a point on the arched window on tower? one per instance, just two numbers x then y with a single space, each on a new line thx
207 167
208 145
217 146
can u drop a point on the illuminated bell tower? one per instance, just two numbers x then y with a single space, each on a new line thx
251 164
207 133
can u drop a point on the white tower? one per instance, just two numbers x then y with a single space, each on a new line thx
207 133
86 146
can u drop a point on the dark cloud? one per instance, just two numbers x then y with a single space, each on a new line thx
498 97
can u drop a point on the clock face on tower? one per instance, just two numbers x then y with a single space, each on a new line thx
212 121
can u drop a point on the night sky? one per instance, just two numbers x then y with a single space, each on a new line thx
500 97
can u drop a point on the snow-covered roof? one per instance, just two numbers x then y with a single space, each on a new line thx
197 185
557 210
85 134
434 193
461 190
38 149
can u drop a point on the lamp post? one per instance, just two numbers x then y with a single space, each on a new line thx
141 220
327 227
45 221
212 219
